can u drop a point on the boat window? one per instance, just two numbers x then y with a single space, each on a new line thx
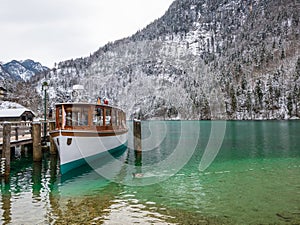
122 119
58 116
68 116
98 117
84 116
71 116
108 117
114 117
69 141
76 116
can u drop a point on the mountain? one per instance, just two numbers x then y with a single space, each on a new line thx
3 74
21 70
15 78
204 59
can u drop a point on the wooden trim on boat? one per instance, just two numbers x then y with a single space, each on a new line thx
77 133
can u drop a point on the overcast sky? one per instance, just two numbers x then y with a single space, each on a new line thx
51 31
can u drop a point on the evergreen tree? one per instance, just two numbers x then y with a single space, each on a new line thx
259 94
282 56
233 100
297 69
290 104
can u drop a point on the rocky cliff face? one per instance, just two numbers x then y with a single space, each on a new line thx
204 59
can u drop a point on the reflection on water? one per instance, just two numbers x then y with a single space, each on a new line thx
253 180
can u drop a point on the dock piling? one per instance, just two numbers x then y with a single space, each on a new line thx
137 135
36 141
5 161
53 149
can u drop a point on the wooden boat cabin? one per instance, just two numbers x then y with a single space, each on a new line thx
87 116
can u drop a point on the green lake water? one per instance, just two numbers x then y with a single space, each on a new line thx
253 178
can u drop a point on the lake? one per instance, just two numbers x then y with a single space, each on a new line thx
189 172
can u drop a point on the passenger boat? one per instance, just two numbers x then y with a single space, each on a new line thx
85 131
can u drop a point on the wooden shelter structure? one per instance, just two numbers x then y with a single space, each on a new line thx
16 115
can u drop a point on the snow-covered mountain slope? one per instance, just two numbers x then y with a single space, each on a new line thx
36 67
21 70
204 59
3 74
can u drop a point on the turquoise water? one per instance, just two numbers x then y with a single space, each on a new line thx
254 179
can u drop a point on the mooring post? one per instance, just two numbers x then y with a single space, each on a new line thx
5 161
53 149
137 135
36 141
137 142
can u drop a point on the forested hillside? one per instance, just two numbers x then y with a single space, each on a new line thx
204 59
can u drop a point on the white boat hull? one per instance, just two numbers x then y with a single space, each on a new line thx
79 148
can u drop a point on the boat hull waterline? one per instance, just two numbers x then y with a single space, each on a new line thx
77 147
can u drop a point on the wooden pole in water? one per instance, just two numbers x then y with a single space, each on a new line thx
137 135
6 147
53 149
36 141
137 142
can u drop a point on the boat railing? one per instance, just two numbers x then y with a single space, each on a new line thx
97 128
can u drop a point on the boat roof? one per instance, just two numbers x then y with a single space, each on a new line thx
86 103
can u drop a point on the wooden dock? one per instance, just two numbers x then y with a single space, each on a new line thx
20 134
23 133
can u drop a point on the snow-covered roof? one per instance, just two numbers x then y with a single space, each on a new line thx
10 105
13 112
